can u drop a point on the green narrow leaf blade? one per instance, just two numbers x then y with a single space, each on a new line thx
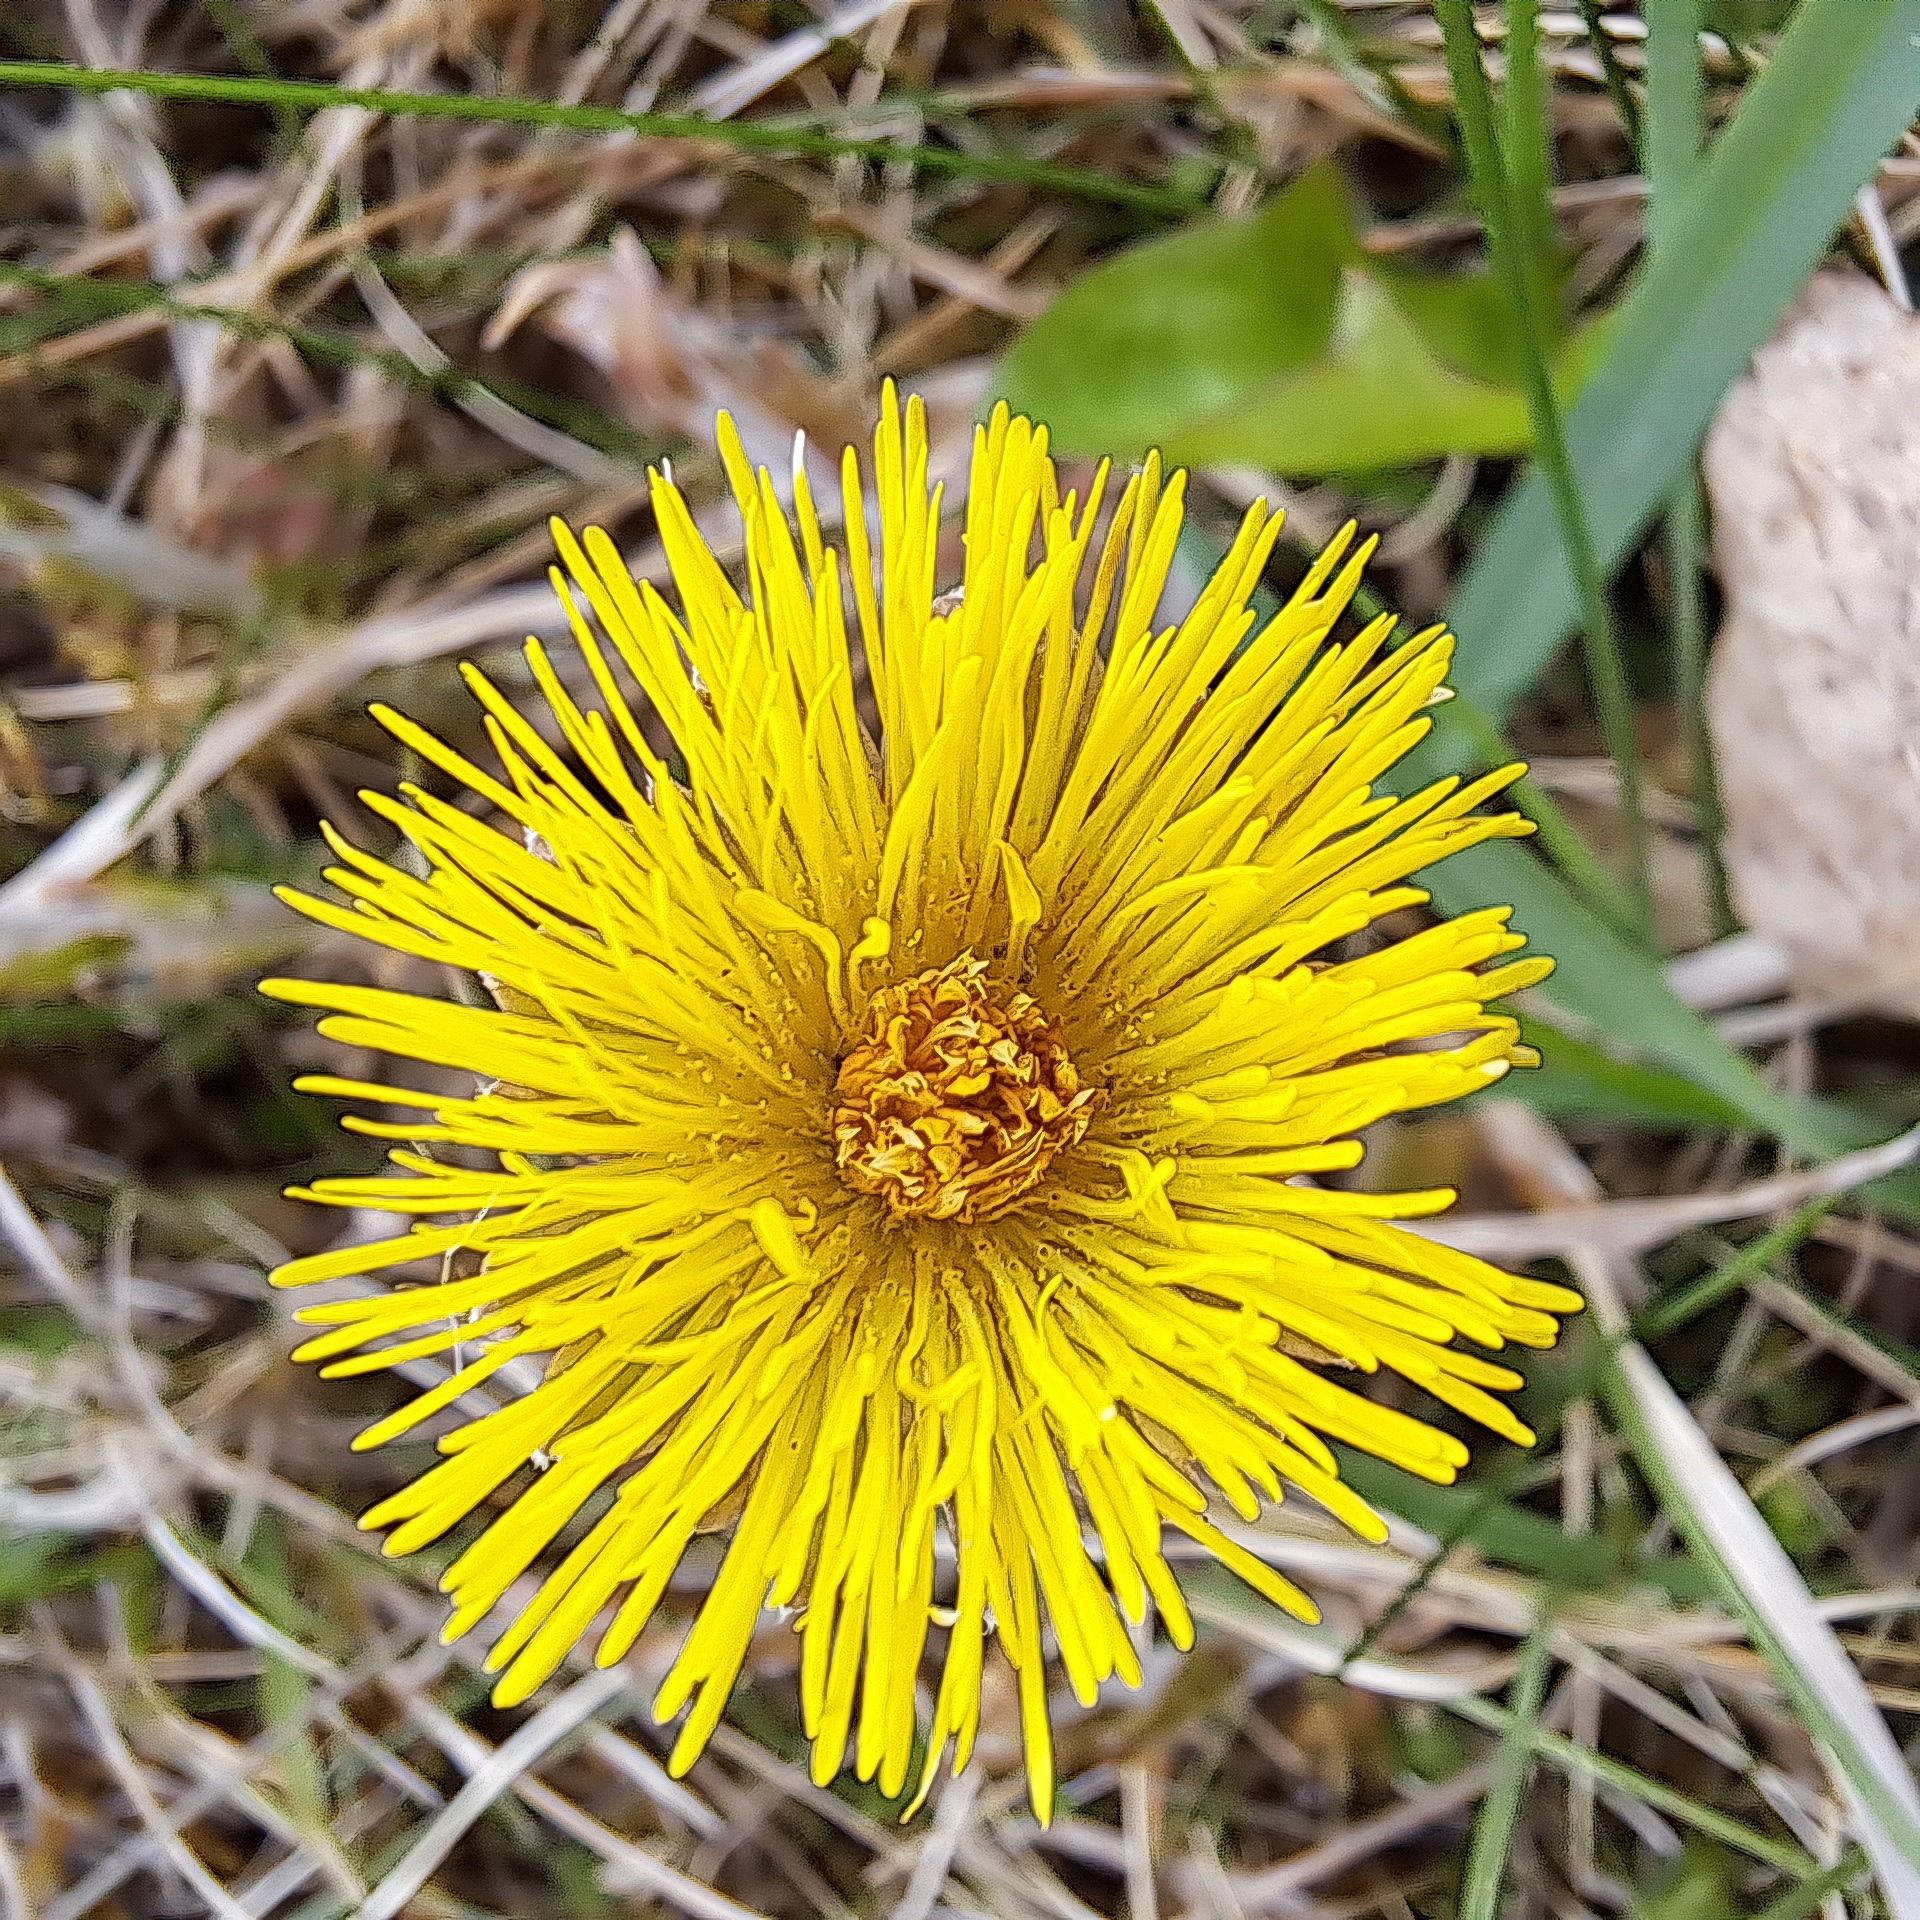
1841 88
1578 1080
1486 1870
1763 1587
1604 984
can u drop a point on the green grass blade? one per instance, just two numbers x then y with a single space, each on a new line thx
1798 1902
1510 191
1577 1080
1344 48
1685 548
1843 84
1527 144
1676 108
1558 839
1572 1757
1492 1840
758 136
1763 1588
1601 41
1675 129
1220 1600
76 299
1483 1513
1604 985
1668 1314
1610 987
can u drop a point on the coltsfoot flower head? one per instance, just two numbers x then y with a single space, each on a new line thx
905 1133
957 1097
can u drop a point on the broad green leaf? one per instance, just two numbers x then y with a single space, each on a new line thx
1840 89
1180 328
1741 19
1379 397
1463 318
1276 341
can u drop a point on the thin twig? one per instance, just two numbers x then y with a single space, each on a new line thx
99 1720
24 1233
1138 1786
13 1892
1634 1226
1361 1840
633 1866
951 1818
219 1599
1886 249
526 1747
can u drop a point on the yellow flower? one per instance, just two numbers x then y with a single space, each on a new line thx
905 1134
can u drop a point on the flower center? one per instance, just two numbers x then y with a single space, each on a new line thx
956 1098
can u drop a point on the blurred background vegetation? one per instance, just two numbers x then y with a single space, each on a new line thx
312 312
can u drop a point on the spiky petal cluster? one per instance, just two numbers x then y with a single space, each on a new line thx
1138 848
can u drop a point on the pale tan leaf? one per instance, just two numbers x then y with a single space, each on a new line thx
1814 696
